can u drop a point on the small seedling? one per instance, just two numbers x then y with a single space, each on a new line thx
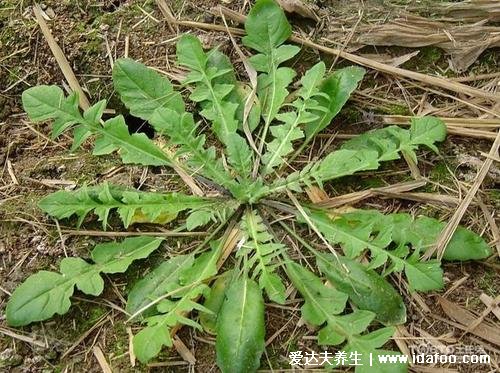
260 128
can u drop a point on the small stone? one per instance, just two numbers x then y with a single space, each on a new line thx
50 12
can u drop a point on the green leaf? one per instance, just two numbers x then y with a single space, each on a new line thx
181 129
222 112
162 280
48 102
365 287
186 288
392 140
337 164
337 89
322 307
149 341
46 293
262 253
304 106
239 155
240 328
272 90
81 132
214 301
320 301
132 206
143 90
427 130
371 230
266 27
424 276
422 232
134 148
216 91
362 153
367 348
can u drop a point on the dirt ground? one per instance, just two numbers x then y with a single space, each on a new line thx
94 33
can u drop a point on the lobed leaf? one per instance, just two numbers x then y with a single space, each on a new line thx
390 141
305 105
216 91
373 231
143 90
262 253
355 236
48 102
46 293
362 153
267 29
322 307
132 206
162 280
365 287
181 130
336 89
185 288
134 148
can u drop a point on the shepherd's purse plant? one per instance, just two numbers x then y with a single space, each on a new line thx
261 127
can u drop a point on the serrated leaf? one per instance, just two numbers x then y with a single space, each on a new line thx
134 148
239 155
94 113
320 301
143 90
363 152
392 140
240 327
290 131
46 293
337 87
216 91
48 102
162 280
365 287
359 231
186 287
425 276
261 249
322 307
132 206
367 348
182 131
272 91
267 28
190 54
427 130
422 232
